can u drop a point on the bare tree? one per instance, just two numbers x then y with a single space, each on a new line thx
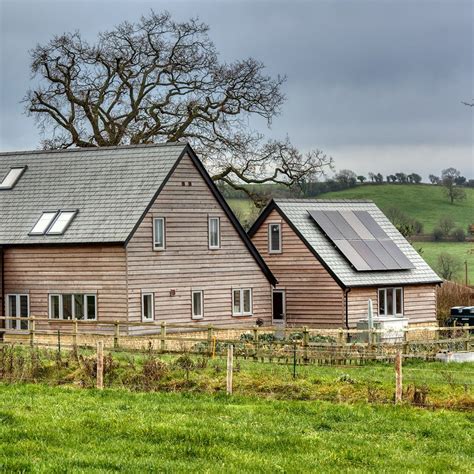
452 191
346 177
158 80
448 266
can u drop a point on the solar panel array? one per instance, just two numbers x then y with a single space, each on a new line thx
361 240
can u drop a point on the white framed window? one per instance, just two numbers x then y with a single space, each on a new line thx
242 304
81 306
159 233
18 306
390 301
148 307
214 232
197 297
274 237
12 177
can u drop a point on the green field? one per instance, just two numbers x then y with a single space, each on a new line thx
423 202
464 251
46 429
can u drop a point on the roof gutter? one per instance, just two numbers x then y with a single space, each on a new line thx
346 304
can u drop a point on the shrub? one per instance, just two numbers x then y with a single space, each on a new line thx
154 369
446 224
448 266
438 234
459 235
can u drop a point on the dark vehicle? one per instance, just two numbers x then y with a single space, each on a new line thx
461 315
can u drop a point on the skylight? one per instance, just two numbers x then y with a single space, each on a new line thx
43 223
62 222
12 177
53 222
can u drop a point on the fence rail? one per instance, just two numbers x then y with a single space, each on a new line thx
266 342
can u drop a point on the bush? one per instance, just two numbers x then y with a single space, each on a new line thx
438 234
459 235
448 266
446 224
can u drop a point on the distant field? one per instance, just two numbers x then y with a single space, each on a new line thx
46 429
462 250
423 202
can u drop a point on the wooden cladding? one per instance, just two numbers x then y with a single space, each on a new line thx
313 297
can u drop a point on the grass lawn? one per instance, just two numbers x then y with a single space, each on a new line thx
423 202
46 429
462 250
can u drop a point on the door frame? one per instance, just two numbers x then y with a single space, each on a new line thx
283 292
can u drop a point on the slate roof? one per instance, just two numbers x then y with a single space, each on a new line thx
111 187
295 212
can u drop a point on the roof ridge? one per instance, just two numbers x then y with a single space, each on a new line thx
95 148
306 200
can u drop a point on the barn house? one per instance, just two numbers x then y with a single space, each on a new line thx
331 257
130 234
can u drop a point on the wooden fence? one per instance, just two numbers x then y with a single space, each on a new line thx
274 342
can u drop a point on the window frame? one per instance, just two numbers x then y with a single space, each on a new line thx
396 312
280 246
3 187
73 306
152 299
15 324
159 248
218 219
242 313
197 316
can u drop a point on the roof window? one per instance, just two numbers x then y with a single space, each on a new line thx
11 178
53 222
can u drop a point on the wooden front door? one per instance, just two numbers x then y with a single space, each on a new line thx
279 306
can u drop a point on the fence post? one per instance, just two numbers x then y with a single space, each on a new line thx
100 365
74 337
163 336
398 378
230 368
32 331
255 342
116 334
305 343
209 340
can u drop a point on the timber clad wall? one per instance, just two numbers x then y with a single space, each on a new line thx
313 297
357 303
40 270
187 263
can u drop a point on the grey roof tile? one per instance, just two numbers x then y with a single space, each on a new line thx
296 210
110 187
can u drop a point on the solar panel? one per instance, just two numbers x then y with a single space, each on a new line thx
361 240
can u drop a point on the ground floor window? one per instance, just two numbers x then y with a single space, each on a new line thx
73 306
148 307
242 302
18 306
197 304
390 301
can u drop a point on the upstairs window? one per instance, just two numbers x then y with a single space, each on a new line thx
11 178
159 233
274 238
53 222
214 233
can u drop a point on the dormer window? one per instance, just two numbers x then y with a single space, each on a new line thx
53 223
11 178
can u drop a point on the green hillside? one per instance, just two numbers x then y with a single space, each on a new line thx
423 202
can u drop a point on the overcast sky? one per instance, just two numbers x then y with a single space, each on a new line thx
376 84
